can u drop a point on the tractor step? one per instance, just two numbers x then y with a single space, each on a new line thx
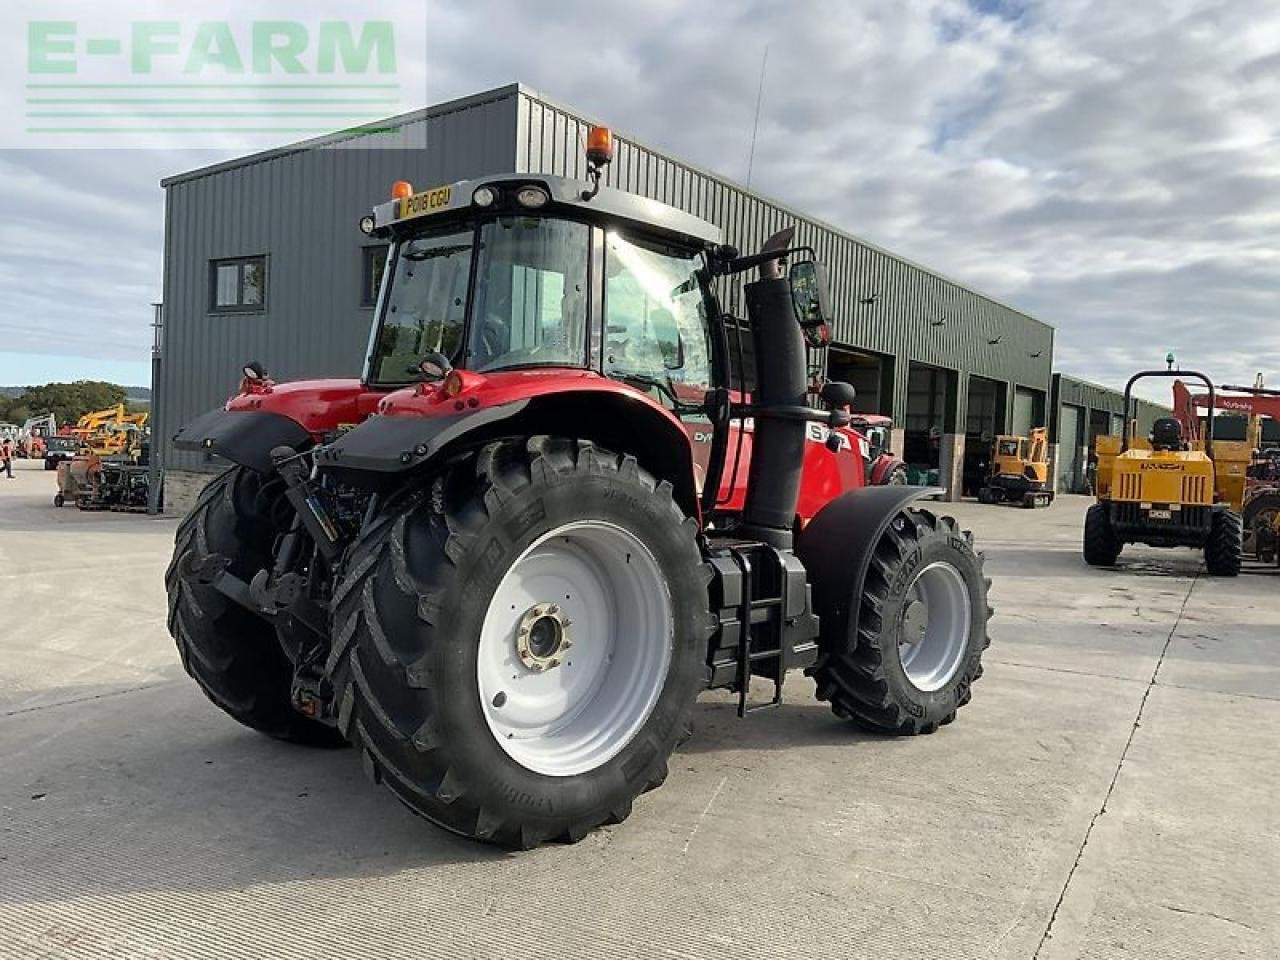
766 625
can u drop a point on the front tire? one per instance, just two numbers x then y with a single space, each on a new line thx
449 641
233 655
1101 545
907 664
1224 550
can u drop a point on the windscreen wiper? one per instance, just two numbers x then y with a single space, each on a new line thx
432 253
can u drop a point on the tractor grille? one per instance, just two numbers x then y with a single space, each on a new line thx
1130 487
1195 489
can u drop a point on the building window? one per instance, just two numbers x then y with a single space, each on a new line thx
238 285
375 262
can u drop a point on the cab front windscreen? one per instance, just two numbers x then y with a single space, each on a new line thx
526 304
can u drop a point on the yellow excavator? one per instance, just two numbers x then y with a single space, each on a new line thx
112 432
1168 490
1019 471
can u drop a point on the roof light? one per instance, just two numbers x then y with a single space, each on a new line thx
484 196
401 189
599 145
531 196
367 223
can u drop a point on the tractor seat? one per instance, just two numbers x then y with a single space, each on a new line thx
1166 434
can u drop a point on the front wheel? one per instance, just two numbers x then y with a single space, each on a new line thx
905 665
1224 550
1101 545
519 646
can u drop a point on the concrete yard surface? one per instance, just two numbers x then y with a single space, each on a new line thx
1113 790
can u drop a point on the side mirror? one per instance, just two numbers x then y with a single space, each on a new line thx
837 394
434 367
811 300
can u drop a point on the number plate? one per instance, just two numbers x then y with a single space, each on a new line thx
428 201
1158 514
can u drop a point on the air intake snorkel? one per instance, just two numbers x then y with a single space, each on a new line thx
784 312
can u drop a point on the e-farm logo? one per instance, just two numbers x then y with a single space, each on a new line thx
100 81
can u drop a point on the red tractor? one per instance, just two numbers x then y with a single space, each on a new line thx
504 562
883 466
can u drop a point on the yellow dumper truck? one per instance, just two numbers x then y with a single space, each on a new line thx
1171 489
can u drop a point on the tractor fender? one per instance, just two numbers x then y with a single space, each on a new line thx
382 449
245 437
836 545
390 445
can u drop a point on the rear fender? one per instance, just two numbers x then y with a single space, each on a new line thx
384 450
245 437
837 545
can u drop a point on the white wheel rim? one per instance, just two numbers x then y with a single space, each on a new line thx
933 631
566 708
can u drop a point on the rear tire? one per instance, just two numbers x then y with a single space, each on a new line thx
1224 550
897 476
1101 545
233 655
421 629
890 672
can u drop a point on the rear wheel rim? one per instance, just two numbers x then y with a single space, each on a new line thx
935 625
575 648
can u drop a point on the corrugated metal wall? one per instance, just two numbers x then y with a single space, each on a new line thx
1095 397
300 208
908 298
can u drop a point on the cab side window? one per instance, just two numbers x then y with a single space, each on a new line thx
655 322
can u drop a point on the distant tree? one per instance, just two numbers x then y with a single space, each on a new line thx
67 401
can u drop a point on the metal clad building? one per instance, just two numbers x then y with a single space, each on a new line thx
1081 411
944 361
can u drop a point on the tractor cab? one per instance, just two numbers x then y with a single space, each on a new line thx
522 273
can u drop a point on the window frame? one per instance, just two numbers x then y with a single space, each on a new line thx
369 293
240 307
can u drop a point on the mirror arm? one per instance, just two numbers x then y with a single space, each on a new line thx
722 268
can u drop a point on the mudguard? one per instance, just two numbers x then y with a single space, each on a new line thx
245 437
391 444
836 546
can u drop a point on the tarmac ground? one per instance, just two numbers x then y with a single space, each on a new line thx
1113 790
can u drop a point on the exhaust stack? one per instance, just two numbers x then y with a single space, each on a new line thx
777 452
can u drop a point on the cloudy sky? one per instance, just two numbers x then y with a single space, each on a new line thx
1111 168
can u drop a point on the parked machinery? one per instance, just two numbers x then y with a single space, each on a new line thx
59 448
1252 482
884 467
34 434
1019 471
1164 491
113 432
507 588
